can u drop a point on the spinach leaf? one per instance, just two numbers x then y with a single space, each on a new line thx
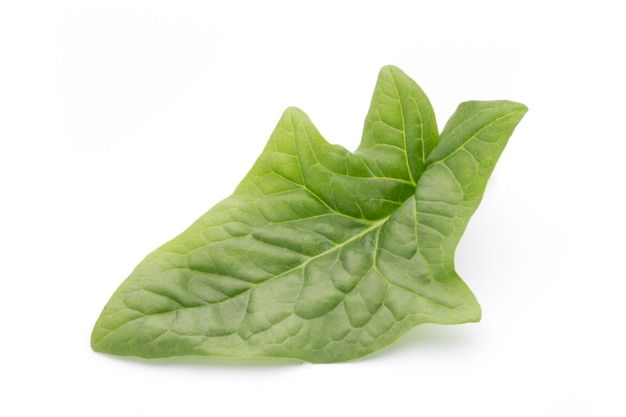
321 254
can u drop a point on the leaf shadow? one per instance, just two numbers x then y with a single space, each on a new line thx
426 339
423 339
212 362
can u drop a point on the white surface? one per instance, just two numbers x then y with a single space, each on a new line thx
121 122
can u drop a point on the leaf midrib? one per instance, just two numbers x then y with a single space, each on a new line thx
475 134
373 226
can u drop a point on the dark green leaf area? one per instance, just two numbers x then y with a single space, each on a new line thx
322 254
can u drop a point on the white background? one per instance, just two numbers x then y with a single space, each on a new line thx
121 122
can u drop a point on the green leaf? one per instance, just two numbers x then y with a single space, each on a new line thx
321 254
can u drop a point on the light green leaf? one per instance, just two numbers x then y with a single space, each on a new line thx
321 254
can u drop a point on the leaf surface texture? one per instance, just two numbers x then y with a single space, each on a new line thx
322 254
